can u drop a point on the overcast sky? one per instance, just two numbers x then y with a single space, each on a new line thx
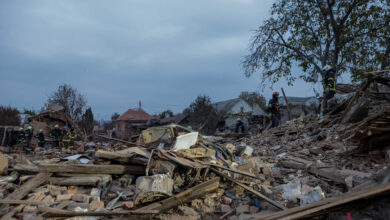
116 53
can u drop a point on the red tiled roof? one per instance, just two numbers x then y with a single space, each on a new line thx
135 114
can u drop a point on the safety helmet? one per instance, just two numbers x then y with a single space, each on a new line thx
326 68
275 94
56 126
29 127
72 126
40 130
20 129
238 119
65 127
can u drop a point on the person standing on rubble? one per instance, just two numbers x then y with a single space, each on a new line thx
41 138
329 83
56 135
72 136
273 109
20 135
28 134
66 138
240 126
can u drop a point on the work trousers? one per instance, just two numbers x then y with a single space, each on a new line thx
327 97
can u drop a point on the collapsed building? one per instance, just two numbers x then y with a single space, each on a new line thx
334 166
233 109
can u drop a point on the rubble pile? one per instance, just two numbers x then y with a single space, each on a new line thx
304 168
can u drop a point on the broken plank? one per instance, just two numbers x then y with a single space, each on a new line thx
55 212
276 204
328 173
92 169
28 186
26 168
327 201
183 197
119 140
62 205
342 200
234 170
22 192
75 181
122 156
26 202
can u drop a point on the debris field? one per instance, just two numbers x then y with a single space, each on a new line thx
334 166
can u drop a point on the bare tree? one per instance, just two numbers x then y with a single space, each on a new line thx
68 97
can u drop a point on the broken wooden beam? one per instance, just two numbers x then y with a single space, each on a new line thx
327 173
28 186
55 212
234 170
309 209
119 140
26 202
23 191
287 105
183 197
75 181
91 169
119 156
276 204
26 168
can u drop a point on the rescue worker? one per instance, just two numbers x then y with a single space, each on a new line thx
56 135
20 135
73 136
41 138
66 138
273 109
28 134
240 126
329 83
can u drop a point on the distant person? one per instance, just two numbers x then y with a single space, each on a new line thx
20 135
72 136
41 138
56 135
66 138
273 110
329 84
28 134
240 128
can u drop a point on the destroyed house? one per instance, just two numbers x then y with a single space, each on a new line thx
177 119
53 115
298 106
237 108
132 122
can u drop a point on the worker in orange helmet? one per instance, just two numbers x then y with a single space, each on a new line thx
273 109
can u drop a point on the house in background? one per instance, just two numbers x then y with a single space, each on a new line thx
132 122
237 108
299 106
177 119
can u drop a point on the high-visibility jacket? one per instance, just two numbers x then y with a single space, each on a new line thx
330 80
56 134
273 107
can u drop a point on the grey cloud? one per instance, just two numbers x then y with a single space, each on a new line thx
116 53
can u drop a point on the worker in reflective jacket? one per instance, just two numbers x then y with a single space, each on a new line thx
66 138
329 83
28 134
273 109
41 138
72 136
20 135
56 135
